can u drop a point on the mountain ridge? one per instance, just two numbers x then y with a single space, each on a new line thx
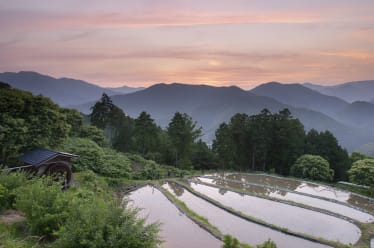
349 91
64 91
210 106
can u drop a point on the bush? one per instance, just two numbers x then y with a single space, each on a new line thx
103 161
362 172
44 206
313 167
10 182
3 197
81 217
96 223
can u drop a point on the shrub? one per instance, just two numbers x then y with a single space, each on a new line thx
103 161
10 182
3 197
96 223
362 172
82 217
90 154
312 167
44 205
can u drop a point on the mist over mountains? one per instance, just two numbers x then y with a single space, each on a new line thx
351 123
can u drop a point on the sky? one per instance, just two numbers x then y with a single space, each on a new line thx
215 42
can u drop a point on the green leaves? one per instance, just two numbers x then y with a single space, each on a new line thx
183 132
104 161
28 121
362 172
313 167
79 217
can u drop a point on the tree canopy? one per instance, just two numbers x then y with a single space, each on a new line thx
312 167
183 132
28 121
362 172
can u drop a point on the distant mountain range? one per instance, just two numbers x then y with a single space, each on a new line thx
125 89
210 106
351 123
299 96
350 92
64 91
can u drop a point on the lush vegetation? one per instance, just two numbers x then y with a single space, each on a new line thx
274 142
313 167
119 147
80 217
177 145
362 172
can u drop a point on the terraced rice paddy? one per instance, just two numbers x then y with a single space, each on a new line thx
304 187
334 207
244 230
177 229
283 215
256 207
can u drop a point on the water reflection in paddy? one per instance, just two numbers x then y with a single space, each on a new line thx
304 187
293 218
286 195
177 230
245 231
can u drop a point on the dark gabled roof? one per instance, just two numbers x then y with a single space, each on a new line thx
40 155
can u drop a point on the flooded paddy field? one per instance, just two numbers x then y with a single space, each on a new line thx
307 188
176 229
334 207
244 230
293 218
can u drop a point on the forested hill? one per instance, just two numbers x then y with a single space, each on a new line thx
210 106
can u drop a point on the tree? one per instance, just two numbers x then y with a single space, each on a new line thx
74 119
222 145
326 145
202 156
313 167
28 121
287 142
362 172
183 132
145 133
355 156
240 140
101 111
92 133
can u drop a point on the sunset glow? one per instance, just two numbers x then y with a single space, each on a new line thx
216 42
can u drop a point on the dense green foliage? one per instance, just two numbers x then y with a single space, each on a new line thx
79 217
263 141
273 142
176 145
28 121
362 172
312 167
327 146
98 159
183 132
